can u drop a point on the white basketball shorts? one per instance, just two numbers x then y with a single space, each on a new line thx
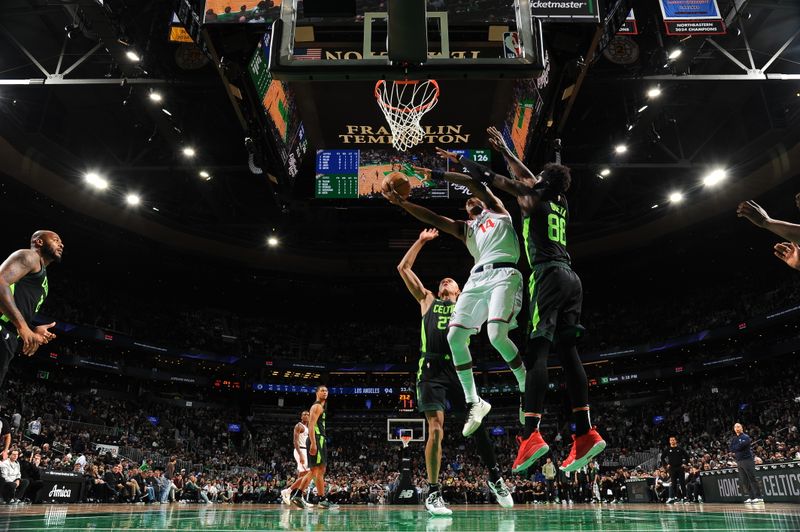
490 295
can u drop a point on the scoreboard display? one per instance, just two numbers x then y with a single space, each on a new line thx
354 174
406 400
337 174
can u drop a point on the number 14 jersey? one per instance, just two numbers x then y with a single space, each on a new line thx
491 239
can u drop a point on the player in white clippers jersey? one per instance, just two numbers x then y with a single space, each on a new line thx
493 292
300 442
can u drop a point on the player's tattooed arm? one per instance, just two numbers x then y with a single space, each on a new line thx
442 223
18 265
515 166
404 268
758 216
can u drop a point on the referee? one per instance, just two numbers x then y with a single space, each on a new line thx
740 446
674 458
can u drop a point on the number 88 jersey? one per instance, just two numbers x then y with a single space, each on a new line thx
545 230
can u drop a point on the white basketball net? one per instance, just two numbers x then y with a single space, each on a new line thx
403 103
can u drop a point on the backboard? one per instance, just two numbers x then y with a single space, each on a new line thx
467 39
396 427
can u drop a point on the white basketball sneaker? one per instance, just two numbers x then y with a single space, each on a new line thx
477 411
286 496
436 505
502 494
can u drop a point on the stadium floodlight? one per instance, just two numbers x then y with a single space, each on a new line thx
620 148
674 54
188 151
96 181
714 178
272 241
133 56
655 92
676 197
605 172
133 200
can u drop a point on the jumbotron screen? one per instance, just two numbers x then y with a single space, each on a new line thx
353 174
278 103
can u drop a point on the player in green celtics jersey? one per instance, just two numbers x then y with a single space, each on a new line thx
437 382
317 449
556 296
23 289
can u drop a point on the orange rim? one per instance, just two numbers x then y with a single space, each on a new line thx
407 82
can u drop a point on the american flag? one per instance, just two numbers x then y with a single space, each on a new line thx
307 54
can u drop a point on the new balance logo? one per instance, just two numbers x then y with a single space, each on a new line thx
406 494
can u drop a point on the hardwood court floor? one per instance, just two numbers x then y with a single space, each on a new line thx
227 518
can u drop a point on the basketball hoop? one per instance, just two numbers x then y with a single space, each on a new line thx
403 103
406 439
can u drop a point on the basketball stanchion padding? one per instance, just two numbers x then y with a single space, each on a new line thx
405 492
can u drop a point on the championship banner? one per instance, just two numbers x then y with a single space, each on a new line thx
692 17
629 27
779 483
566 10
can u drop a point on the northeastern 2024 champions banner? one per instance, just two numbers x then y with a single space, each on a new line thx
692 17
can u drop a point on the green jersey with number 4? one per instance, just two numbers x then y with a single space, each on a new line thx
545 231
433 334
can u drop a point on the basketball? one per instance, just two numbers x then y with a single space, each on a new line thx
399 182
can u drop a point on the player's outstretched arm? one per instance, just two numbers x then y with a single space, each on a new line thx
427 216
759 217
414 285
489 178
516 167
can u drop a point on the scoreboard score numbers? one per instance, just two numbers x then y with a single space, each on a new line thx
406 400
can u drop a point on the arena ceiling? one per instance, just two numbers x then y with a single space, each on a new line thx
71 102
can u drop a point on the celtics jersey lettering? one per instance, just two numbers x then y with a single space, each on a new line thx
491 238
433 335
29 294
545 231
319 427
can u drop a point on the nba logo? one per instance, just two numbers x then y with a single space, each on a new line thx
511 44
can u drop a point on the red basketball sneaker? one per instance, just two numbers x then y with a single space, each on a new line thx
530 449
584 448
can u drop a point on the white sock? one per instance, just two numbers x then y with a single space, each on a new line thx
458 339
498 336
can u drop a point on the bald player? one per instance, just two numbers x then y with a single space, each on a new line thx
23 289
